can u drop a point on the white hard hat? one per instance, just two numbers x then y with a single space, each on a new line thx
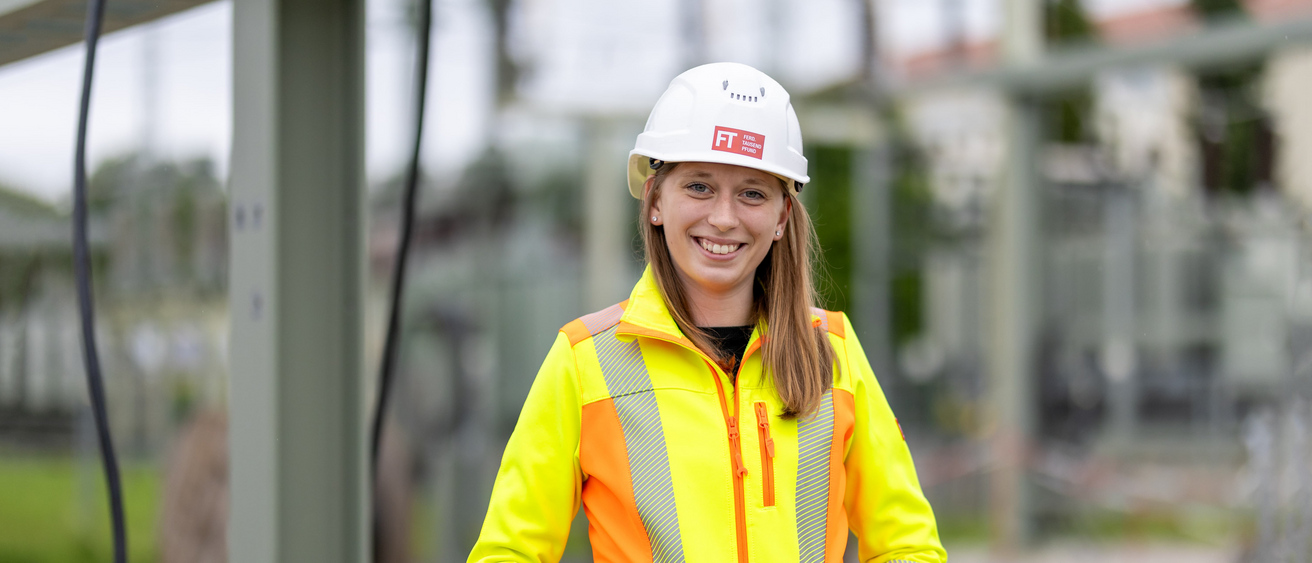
727 113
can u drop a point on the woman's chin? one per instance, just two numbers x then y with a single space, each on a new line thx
718 280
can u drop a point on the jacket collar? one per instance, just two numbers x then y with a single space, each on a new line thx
646 314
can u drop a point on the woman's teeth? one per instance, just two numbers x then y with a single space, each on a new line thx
719 248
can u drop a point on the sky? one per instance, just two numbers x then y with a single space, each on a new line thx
188 112
583 61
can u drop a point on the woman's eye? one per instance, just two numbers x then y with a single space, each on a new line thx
699 188
753 195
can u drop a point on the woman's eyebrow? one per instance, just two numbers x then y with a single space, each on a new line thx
703 175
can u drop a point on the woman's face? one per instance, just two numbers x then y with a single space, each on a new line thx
719 221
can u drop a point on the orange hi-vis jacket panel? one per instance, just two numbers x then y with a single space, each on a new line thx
674 462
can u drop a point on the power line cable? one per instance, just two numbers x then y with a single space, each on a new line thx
86 309
391 342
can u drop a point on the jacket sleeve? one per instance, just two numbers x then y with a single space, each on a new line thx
886 508
537 490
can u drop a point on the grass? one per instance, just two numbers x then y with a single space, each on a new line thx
53 509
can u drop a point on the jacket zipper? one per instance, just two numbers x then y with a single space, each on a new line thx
735 439
767 452
736 461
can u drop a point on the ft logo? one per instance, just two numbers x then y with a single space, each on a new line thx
737 141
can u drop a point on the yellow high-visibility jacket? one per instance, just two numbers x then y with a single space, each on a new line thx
673 462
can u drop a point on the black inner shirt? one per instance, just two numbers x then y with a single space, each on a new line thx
730 341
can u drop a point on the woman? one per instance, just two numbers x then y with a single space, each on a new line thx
714 415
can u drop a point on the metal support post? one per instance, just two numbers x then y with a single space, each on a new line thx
1119 352
1013 299
1013 292
607 250
297 401
871 233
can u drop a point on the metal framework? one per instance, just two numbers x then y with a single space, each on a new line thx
1026 75
1219 45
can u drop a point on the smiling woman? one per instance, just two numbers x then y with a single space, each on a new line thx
638 412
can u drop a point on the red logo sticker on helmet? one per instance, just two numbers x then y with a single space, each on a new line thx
737 141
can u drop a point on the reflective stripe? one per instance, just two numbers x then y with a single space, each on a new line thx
814 434
603 319
630 388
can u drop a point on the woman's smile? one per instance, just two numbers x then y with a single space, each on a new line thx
719 249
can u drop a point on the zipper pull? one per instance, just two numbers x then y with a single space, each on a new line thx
763 421
739 467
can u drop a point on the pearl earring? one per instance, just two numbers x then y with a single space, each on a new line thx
777 233
653 218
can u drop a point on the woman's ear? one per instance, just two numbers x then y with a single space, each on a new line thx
783 217
655 203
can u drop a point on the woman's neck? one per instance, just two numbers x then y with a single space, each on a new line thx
731 308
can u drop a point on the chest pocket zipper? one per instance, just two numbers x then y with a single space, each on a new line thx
767 452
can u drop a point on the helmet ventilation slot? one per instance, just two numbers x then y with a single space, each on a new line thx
742 97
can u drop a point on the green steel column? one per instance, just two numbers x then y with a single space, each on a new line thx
872 233
607 225
1013 291
298 400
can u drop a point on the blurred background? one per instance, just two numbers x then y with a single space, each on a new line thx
1078 253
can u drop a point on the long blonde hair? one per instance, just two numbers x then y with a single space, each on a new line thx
796 353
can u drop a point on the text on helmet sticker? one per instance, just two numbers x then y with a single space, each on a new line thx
738 141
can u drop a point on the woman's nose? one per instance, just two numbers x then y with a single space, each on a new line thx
723 215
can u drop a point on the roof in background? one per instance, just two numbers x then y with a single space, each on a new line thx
31 27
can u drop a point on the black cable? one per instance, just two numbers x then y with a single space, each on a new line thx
82 270
390 343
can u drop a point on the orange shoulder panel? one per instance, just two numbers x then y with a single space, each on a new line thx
614 527
836 324
584 327
844 425
576 332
